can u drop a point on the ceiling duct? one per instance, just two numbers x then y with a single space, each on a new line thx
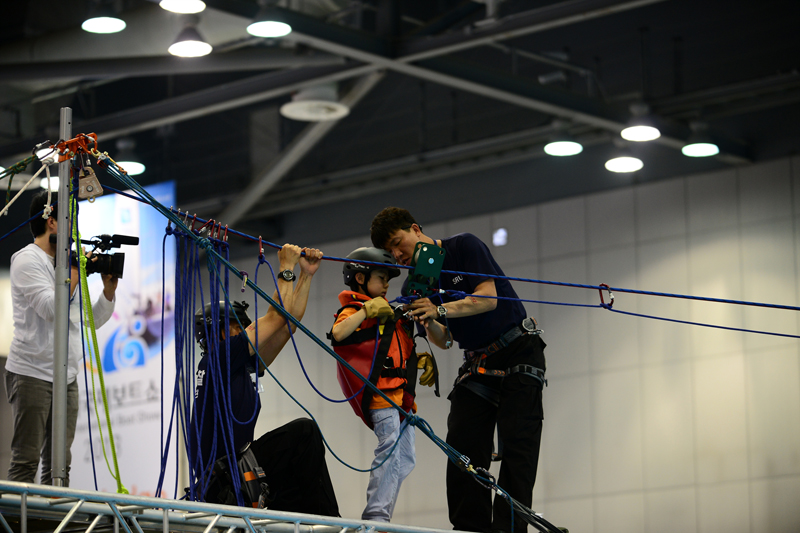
315 104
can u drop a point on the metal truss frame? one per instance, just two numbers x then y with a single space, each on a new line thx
100 511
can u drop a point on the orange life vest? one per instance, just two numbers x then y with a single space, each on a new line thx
383 353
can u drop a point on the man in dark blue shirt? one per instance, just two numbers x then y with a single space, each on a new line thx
500 383
227 404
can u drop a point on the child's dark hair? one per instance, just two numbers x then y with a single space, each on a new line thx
387 222
39 225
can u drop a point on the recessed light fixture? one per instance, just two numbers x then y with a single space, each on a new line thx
268 23
624 164
53 183
563 148
700 143
103 25
127 158
103 19
189 42
641 127
183 6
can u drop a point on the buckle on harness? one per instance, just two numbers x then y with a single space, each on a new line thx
530 326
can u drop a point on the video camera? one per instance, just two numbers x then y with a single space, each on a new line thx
105 263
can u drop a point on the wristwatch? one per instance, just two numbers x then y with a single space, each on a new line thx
442 310
287 275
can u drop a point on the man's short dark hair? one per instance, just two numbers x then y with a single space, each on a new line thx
38 224
387 222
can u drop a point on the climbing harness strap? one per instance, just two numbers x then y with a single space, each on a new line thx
528 327
475 360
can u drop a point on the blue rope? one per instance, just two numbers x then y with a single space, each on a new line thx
529 280
327 445
297 351
462 295
608 307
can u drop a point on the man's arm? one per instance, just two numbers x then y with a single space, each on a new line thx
424 309
33 281
103 307
266 326
295 302
439 335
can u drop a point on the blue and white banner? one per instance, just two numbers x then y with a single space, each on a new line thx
138 378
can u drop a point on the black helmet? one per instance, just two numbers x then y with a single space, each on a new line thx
376 255
202 318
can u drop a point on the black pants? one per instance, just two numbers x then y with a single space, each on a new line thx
470 430
293 459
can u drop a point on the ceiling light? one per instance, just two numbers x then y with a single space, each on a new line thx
700 149
563 147
189 42
103 19
103 25
700 143
183 6
641 127
269 28
561 142
500 237
126 157
268 23
53 183
624 164
315 104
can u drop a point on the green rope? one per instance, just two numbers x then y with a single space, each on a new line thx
94 350
12 171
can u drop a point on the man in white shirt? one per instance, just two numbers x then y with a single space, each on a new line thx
29 369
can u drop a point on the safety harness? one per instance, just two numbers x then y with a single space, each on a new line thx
254 489
358 349
475 361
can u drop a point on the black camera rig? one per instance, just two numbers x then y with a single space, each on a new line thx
104 263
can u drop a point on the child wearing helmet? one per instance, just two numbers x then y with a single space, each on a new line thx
379 344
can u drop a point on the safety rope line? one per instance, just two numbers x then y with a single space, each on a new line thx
261 260
608 307
327 445
600 287
86 391
91 331
17 168
22 190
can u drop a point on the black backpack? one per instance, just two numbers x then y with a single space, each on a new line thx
254 488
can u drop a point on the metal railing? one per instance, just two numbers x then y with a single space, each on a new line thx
94 511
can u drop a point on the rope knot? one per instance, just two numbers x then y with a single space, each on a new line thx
413 420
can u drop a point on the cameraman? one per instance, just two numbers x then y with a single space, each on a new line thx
29 369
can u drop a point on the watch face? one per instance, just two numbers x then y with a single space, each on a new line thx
442 310
288 275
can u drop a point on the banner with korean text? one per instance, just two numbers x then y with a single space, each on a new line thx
135 348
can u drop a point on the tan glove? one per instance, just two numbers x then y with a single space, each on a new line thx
425 360
378 308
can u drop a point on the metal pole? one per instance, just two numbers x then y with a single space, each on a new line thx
61 332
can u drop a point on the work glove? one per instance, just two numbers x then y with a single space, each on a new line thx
378 308
425 361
